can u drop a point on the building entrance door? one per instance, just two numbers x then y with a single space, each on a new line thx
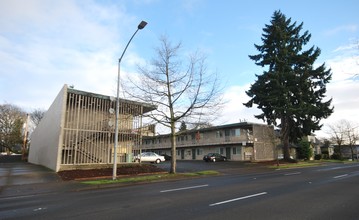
193 154
228 153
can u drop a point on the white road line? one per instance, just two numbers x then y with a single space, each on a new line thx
185 188
335 177
240 198
16 197
289 174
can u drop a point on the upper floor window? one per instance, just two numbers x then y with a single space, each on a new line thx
236 132
193 136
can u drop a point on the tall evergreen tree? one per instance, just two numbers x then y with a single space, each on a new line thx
291 91
183 127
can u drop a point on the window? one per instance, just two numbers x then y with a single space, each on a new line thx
193 136
227 133
237 150
221 151
199 151
219 134
236 132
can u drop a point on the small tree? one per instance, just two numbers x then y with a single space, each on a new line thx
182 91
290 92
304 150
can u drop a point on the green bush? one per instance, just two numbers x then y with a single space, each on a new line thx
336 156
304 151
325 156
318 157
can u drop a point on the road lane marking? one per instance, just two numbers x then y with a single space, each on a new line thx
184 188
240 198
39 209
340 176
289 174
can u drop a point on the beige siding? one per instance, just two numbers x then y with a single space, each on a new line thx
45 140
79 130
242 141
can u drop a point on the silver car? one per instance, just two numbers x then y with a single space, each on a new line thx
149 157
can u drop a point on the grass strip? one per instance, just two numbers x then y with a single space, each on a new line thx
296 165
149 178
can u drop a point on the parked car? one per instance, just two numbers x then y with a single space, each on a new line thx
149 157
213 157
167 157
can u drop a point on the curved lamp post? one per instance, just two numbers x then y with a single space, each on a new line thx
114 171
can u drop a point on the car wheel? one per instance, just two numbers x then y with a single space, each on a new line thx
158 161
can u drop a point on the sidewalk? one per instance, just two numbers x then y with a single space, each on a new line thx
18 178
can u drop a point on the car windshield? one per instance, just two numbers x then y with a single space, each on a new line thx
149 154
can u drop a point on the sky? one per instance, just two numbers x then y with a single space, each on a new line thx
45 44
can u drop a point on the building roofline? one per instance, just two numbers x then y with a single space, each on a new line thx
239 124
146 107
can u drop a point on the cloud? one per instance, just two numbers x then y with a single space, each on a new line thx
344 87
340 29
192 5
47 44
234 110
343 67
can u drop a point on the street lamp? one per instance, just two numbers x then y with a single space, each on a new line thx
114 171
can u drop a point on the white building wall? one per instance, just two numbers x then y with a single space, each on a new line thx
47 137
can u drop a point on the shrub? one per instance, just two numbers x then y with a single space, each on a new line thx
304 151
318 157
336 156
325 156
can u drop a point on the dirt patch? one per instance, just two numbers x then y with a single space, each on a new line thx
107 172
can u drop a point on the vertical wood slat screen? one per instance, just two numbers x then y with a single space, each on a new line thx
90 128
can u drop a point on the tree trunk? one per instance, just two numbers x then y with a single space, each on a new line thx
285 138
352 151
173 149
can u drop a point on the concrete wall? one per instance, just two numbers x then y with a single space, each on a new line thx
264 143
47 137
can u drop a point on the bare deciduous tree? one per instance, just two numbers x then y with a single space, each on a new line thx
344 133
352 136
11 122
182 91
37 115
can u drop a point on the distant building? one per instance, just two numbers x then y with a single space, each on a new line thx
240 142
78 131
347 151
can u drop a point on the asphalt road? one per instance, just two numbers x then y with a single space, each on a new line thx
326 192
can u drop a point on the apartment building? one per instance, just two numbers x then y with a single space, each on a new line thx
78 131
242 141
